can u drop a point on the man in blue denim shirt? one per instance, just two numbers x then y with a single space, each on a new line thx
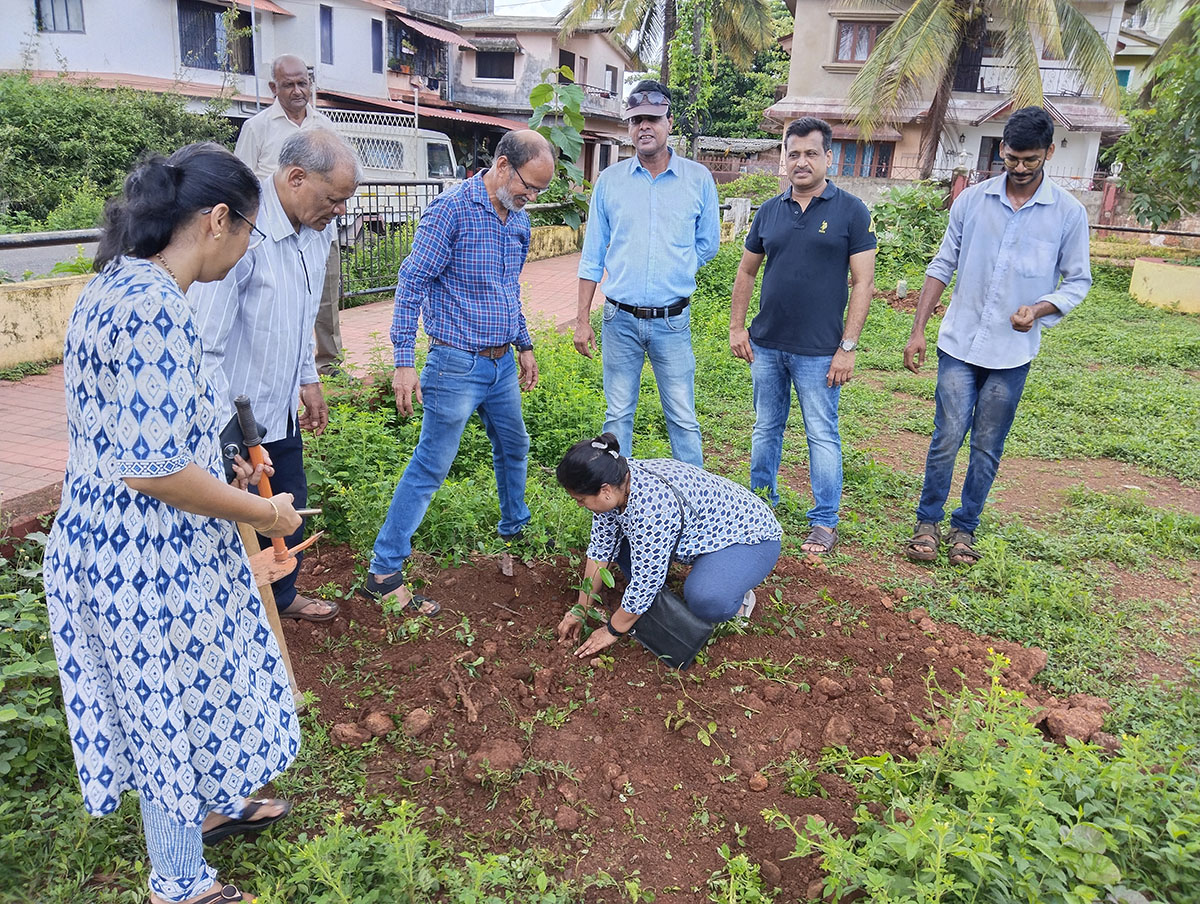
462 278
1020 245
804 335
653 222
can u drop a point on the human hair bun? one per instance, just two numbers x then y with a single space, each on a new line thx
161 194
610 441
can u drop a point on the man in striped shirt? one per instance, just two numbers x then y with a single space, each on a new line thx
462 279
256 325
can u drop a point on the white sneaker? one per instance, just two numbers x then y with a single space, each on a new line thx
747 604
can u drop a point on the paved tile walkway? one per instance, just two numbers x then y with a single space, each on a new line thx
33 424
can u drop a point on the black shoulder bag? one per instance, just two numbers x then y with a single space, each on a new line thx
669 629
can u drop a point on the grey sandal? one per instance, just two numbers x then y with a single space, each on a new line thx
923 545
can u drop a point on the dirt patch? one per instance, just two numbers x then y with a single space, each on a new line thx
907 304
604 761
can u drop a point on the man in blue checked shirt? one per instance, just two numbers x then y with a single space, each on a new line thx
653 222
462 279
1020 246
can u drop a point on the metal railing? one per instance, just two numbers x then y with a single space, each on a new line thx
601 99
376 233
989 79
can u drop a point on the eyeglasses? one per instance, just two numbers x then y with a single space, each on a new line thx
637 98
529 188
1031 163
259 235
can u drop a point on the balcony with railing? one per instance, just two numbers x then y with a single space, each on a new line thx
601 101
984 78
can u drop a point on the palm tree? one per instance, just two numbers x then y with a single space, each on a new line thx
741 27
921 49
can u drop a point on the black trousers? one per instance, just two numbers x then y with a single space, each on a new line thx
287 456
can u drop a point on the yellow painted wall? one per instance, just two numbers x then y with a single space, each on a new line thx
1172 286
552 241
33 318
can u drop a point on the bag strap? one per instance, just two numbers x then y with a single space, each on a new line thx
679 498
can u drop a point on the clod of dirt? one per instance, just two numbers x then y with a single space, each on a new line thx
518 671
421 769
915 615
489 648
772 693
378 723
506 564
928 626
1026 662
569 792
882 712
1110 743
754 702
838 731
498 756
743 764
619 782
542 681
1088 702
1080 724
816 888
417 722
758 782
793 740
886 685
830 688
448 691
347 734
566 819
770 873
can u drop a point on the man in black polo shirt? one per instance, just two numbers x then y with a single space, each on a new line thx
810 235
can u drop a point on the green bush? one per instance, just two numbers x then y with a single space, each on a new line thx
373 260
758 187
56 138
909 224
998 814
81 209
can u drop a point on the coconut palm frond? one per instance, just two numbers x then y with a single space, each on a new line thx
1088 52
1021 51
912 54
742 29
1181 36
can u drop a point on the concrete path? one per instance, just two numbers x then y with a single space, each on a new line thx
33 424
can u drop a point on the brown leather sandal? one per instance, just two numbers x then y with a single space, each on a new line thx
962 547
923 545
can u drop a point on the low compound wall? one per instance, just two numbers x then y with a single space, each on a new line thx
33 318
1175 287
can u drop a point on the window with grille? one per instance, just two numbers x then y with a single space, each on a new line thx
856 40
59 15
872 160
205 41
495 64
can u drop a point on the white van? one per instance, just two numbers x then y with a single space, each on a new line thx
392 149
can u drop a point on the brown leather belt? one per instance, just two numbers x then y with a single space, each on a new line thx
492 352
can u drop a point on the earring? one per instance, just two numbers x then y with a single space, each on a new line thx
217 236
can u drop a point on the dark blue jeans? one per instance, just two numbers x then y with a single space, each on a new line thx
719 579
287 457
983 401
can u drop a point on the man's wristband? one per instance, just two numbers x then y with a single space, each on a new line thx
613 631
526 347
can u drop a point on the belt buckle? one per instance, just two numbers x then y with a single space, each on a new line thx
493 352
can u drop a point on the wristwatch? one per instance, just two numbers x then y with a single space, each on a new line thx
848 345
526 347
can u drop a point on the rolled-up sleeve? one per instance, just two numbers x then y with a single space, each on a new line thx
596 237
1075 266
945 262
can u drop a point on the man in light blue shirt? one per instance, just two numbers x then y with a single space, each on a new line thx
653 222
1020 246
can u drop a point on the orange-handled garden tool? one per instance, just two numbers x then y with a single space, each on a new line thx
279 561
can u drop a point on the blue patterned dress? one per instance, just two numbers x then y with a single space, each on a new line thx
171 678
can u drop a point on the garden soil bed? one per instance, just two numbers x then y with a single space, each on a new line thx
602 762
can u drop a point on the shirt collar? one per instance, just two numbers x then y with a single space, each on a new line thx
272 218
673 165
999 187
829 191
276 111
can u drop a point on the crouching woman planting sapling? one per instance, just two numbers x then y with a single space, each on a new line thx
648 513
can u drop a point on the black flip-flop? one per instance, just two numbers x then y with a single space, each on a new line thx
376 589
247 825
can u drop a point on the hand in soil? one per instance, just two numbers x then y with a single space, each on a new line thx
600 639
569 628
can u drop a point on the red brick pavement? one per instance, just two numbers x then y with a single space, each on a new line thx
33 441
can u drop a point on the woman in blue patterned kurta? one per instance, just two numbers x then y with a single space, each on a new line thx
171 678
648 513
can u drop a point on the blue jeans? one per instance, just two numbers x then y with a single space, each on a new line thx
774 374
719 579
625 343
454 385
983 401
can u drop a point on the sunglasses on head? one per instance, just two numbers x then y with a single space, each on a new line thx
637 98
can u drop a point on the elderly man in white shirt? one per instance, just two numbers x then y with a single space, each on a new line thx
258 146
256 325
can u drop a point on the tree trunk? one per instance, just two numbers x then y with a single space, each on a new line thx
931 133
670 24
694 88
